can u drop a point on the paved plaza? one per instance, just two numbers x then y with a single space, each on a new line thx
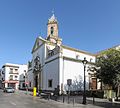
20 99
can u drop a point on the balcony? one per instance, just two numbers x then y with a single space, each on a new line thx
11 72
15 72
10 78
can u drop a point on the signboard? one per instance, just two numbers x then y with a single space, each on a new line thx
69 82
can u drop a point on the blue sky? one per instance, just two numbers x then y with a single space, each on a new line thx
90 25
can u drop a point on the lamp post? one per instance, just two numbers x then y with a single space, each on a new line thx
84 93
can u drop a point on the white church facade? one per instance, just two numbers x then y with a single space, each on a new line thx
53 63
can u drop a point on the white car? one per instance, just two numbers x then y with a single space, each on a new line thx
9 90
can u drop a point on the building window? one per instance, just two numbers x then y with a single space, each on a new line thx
16 70
16 76
52 30
11 77
11 70
24 70
2 79
77 56
50 53
23 84
50 83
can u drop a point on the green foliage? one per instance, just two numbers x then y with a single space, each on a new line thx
109 71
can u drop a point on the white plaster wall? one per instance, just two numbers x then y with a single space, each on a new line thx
7 73
30 78
52 72
22 68
73 54
75 71
22 71
61 74
58 70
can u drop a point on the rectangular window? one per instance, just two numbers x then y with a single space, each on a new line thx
16 69
50 83
77 57
11 77
16 76
11 70
23 77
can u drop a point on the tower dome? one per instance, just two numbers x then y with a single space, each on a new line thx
52 19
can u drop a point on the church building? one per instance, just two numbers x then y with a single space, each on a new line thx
55 65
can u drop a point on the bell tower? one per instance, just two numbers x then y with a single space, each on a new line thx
52 26
52 30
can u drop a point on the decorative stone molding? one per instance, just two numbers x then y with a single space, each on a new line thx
37 64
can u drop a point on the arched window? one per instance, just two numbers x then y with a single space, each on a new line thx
52 30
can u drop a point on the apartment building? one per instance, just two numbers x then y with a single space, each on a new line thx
14 75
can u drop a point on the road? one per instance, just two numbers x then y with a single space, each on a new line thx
20 99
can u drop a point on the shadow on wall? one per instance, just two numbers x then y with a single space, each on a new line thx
77 85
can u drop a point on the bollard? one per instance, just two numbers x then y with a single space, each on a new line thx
113 100
55 97
73 101
48 96
34 91
93 94
68 99
93 100
63 99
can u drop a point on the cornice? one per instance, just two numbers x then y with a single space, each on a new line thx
10 66
76 60
80 51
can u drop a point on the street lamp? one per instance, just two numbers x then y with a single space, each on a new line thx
84 93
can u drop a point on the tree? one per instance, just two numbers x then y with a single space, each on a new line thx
109 71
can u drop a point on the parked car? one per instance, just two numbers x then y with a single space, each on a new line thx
9 90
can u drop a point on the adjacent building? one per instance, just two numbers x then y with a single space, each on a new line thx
53 64
0 78
14 75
